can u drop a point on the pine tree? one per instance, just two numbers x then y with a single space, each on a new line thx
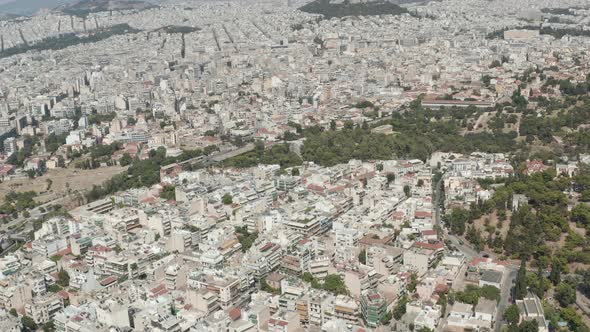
520 285
555 274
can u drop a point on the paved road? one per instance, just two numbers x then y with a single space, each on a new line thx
511 270
215 158
219 157
437 202
509 277
464 248
35 213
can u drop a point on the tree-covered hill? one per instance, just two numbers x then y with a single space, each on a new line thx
70 39
330 10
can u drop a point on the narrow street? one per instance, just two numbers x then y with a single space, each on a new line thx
509 274
464 248
505 292
583 303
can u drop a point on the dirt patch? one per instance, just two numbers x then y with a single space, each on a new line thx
481 124
555 245
580 230
63 180
492 222
563 237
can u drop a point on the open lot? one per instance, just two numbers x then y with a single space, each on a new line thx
62 181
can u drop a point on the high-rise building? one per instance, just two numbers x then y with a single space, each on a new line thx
9 146
373 308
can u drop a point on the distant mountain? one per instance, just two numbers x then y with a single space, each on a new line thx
85 7
346 8
8 16
29 7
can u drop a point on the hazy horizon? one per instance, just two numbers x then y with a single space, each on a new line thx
28 7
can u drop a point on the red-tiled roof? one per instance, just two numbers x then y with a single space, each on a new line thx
423 214
99 248
65 251
398 214
315 187
337 189
432 246
149 200
267 246
503 263
63 294
441 288
235 314
160 290
5 169
477 260
76 265
108 280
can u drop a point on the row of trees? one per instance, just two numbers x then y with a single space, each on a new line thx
546 127
472 294
246 238
18 158
96 118
346 8
53 141
16 202
545 215
564 294
141 173
104 150
512 316
277 154
555 32
333 283
69 39
168 193
419 135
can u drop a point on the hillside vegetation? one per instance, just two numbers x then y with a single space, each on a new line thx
70 39
84 8
330 10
